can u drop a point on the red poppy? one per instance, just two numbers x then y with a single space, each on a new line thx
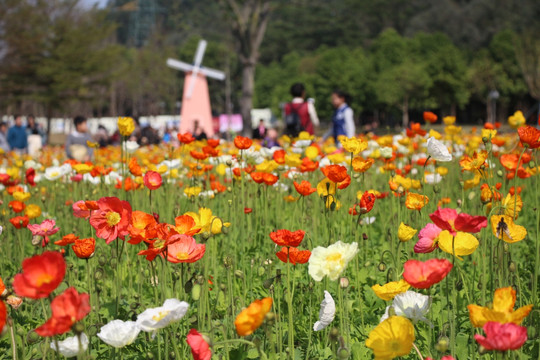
213 142
4 179
16 206
198 155
248 210
502 337
3 315
304 188
41 275
308 165
217 186
19 221
335 173
199 347
279 156
242 143
423 275
66 240
84 248
152 180
530 136
112 219
257 176
67 308
366 202
30 175
449 219
430 117
293 255
210 151
287 238
237 172
139 227
270 179
185 138
345 183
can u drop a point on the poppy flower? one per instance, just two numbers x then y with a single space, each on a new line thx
112 219
184 249
308 165
335 173
248 210
367 201
17 206
391 338
415 129
279 156
502 310
198 155
45 229
405 232
287 238
415 201
391 289
84 248
66 240
293 255
474 163
126 125
430 117
412 305
252 317
427 239
199 347
449 219
134 167
118 333
270 179
424 274
67 308
30 176
242 143
503 228
153 319
41 275
257 176
331 261
152 180
185 138
185 224
19 221
530 136
139 227
207 222
437 150
354 145
459 244
3 315
327 312
304 188
361 165
502 337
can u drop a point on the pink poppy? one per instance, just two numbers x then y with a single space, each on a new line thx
502 337
427 239
199 347
46 228
183 248
80 209
449 219
112 219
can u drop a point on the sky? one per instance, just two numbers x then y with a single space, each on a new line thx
90 3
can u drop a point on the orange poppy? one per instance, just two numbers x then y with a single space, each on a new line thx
345 183
198 155
415 129
242 143
134 167
140 223
293 255
213 142
84 248
530 136
366 202
185 138
430 117
66 240
185 224
257 176
270 179
17 206
19 221
279 156
416 201
335 173
308 165
210 151
252 317
475 163
217 186
361 165
40 276
287 238
304 188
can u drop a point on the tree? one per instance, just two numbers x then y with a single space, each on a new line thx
249 19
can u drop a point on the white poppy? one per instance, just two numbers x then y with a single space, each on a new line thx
92 180
302 143
327 312
54 173
437 150
386 152
433 178
331 261
411 305
131 146
118 333
70 346
157 318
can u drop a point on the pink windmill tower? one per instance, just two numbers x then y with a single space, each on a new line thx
196 99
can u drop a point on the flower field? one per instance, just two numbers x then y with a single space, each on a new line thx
418 245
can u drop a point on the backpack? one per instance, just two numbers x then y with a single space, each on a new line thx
292 120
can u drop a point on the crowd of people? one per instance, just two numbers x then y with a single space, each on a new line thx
299 115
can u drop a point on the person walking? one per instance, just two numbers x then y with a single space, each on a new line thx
17 136
300 115
343 118
4 145
77 141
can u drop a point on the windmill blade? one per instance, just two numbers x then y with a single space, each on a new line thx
214 74
179 65
200 53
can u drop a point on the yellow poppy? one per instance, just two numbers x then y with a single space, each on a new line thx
354 145
464 243
252 317
405 232
504 228
392 338
390 290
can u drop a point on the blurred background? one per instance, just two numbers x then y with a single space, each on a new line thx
477 59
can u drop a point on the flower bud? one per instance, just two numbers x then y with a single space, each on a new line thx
333 334
344 282
343 353
512 266
227 262
239 274
382 266
442 344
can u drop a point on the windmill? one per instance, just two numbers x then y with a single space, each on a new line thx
195 99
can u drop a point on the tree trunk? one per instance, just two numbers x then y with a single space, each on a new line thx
405 110
246 101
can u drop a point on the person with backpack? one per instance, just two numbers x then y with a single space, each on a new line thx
299 114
